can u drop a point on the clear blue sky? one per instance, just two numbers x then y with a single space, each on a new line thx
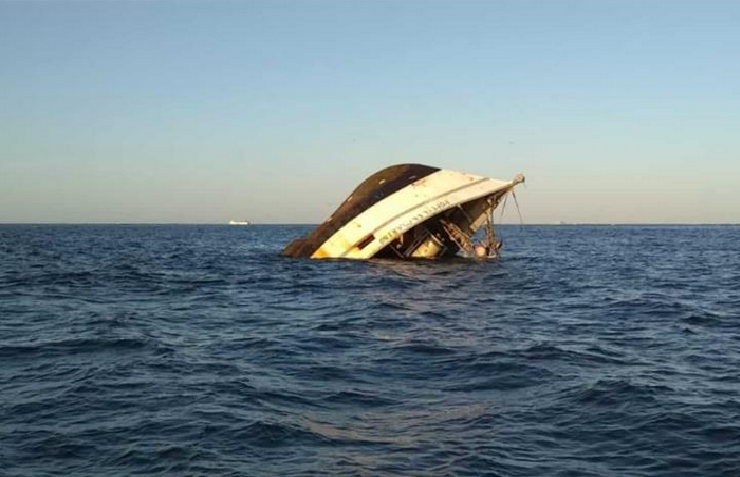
203 112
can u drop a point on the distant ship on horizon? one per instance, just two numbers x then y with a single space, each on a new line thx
239 222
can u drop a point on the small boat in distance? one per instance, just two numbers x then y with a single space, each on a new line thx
239 222
410 211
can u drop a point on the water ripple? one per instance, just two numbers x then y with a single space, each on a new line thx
196 350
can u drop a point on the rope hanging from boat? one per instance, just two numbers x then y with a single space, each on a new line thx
503 207
518 211
492 245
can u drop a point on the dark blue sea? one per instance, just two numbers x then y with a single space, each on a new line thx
197 351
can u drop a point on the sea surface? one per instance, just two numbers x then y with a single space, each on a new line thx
196 350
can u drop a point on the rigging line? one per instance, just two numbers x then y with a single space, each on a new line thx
521 220
503 207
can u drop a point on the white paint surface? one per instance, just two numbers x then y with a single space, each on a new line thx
404 209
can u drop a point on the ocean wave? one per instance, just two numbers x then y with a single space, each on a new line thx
134 350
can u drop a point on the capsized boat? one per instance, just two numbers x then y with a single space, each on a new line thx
410 211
